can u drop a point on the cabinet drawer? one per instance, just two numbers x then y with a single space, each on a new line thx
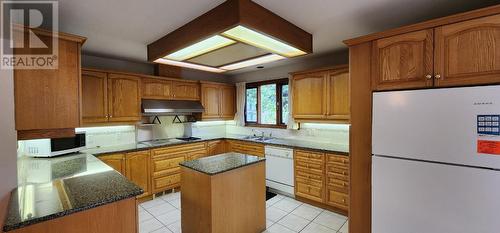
309 167
338 199
340 170
339 160
162 166
309 191
196 154
168 151
308 181
309 175
337 184
166 182
309 156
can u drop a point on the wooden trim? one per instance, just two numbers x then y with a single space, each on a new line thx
59 35
217 83
279 84
45 133
487 11
279 126
226 16
140 75
360 139
328 68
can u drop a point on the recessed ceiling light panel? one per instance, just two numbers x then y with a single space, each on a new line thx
189 65
204 46
252 62
260 40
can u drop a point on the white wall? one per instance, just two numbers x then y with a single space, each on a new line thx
8 144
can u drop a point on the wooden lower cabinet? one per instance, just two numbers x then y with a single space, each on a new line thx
244 147
135 166
216 147
322 178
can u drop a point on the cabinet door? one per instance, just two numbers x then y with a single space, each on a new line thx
310 95
403 61
468 53
228 102
115 161
137 169
338 95
210 100
216 147
192 155
156 89
186 91
49 98
94 97
124 99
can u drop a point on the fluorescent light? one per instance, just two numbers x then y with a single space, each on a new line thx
201 47
189 65
252 62
260 40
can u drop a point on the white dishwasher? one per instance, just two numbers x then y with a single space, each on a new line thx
279 169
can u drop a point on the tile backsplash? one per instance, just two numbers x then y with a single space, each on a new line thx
122 135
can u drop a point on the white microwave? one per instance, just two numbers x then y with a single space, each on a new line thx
51 147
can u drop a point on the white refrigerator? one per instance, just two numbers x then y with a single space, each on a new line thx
436 161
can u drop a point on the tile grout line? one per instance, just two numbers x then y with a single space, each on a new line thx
322 210
168 229
277 222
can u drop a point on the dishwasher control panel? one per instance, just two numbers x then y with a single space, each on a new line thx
279 152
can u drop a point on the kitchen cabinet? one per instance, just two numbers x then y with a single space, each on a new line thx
165 161
216 147
94 96
135 166
47 101
186 90
124 99
321 95
219 100
109 97
322 178
459 54
157 89
137 169
244 147
466 53
403 61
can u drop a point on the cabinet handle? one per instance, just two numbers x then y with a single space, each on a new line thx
343 200
428 76
438 76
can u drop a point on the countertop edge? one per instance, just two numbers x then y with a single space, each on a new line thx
233 168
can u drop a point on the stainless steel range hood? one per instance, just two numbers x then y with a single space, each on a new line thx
170 107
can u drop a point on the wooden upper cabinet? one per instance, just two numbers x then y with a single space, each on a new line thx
186 90
309 95
219 100
137 170
49 99
468 53
156 89
94 96
124 99
403 61
228 102
210 100
338 95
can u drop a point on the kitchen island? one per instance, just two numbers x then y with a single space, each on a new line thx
223 193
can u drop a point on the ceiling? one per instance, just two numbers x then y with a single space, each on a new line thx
123 28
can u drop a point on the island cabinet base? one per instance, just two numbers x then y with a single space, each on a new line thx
228 202
120 216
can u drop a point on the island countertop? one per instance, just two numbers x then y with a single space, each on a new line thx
221 163
50 188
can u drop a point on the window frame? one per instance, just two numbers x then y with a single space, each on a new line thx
279 108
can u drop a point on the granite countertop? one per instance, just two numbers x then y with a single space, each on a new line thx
221 163
290 143
50 188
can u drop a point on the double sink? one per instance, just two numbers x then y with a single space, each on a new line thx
258 138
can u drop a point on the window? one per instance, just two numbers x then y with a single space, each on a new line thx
267 103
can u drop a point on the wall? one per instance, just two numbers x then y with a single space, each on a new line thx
8 155
118 64
296 64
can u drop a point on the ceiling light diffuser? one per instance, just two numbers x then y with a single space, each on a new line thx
204 46
260 40
189 65
252 62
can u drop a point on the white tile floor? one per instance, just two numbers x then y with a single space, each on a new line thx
284 214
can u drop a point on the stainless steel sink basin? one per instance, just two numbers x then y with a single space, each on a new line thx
258 138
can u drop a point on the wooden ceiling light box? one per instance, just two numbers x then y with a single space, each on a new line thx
236 34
